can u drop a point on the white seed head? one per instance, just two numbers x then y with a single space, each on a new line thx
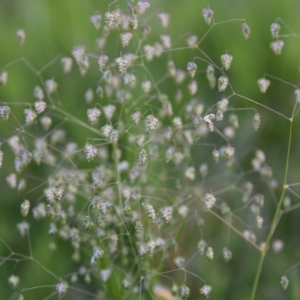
193 87
142 249
222 83
286 201
142 6
256 121
96 20
102 61
165 213
277 245
67 64
190 173
297 95
23 228
125 38
277 46
246 30
249 235
226 60
109 111
46 122
61 288
106 130
205 290
78 52
184 291
40 106
142 158
191 68
202 245
210 75
166 41
1 158
11 180
227 254
208 120
122 65
4 112
30 116
150 212
164 19
51 86
21 35
192 41
179 261
209 201
25 206
93 115
3 78
275 28
209 253
203 170
114 136
146 86
97 254
133 22
284 282
259 221
38 93
90 152
136 116
208 15
228 152
216 155
151 123
13 280
223 104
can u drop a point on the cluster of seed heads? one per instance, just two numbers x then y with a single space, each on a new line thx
119 84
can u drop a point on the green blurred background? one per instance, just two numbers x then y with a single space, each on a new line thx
54 27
